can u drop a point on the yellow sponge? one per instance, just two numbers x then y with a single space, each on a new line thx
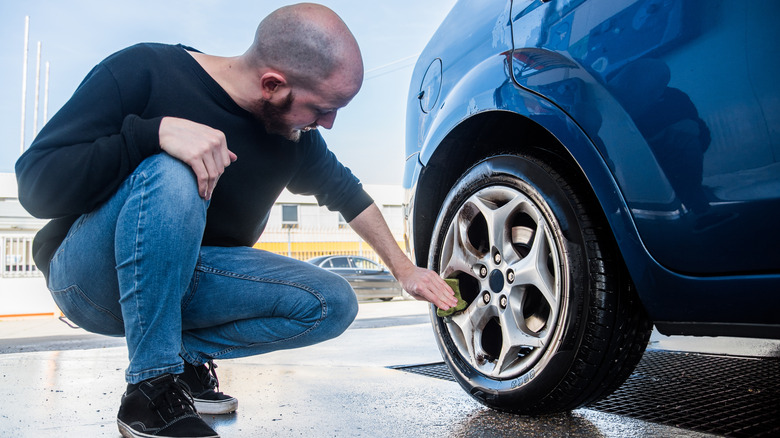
454 284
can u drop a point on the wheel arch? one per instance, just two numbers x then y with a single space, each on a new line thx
500 131
474 139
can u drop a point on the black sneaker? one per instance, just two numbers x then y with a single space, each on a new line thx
203 385
160 407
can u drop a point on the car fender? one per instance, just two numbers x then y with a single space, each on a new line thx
485 89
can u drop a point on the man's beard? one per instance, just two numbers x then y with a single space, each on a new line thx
272 117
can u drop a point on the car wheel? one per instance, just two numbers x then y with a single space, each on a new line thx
552 322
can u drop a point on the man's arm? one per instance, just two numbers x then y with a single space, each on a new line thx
422 284
94 142
85 151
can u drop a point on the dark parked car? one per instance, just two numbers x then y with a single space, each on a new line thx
368 278
589 169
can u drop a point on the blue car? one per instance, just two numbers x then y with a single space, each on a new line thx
588 170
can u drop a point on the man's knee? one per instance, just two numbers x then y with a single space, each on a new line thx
170 185
342 304
171 176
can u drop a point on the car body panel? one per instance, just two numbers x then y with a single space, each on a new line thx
368 279
680 98
687 281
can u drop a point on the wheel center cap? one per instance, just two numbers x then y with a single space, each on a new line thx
496 281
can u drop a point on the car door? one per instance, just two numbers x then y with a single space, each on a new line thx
341 265
373 279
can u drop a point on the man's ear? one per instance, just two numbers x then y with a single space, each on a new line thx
272 83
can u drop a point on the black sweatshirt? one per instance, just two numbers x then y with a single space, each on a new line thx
111 123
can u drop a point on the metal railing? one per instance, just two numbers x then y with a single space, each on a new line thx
304 243
16 257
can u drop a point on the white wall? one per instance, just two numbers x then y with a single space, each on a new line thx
20 296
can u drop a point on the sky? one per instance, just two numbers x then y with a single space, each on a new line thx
368 135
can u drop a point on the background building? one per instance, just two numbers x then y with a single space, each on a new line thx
299 228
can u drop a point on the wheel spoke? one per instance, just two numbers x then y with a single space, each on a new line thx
515 336
532 269
471 323
497 219
458 253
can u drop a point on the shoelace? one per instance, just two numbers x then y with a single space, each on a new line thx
210 379
172 399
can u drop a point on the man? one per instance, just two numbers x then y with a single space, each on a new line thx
159 174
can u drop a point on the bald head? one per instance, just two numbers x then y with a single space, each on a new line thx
308 43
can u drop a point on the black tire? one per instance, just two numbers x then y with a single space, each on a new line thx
553 322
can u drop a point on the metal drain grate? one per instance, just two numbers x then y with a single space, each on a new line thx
436 370
729 396
736 397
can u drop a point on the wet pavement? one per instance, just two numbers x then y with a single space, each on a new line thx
58 381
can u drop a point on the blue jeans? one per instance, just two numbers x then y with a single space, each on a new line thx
135 267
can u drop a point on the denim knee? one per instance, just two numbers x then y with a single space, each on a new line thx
342 304
174 177
171 183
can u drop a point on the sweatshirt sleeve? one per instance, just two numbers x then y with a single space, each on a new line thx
323 176
87 149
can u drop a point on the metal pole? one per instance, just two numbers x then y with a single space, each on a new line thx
46 96
37 90
24 78
289 242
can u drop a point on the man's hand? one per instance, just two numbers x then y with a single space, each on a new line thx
426 285
422 284
201 147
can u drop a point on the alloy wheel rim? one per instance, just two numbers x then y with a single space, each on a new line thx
501 246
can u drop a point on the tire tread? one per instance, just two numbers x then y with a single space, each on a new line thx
617 329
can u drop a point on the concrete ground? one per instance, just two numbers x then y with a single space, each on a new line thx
59 381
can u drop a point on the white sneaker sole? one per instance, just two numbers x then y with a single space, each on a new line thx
129 432
216 407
